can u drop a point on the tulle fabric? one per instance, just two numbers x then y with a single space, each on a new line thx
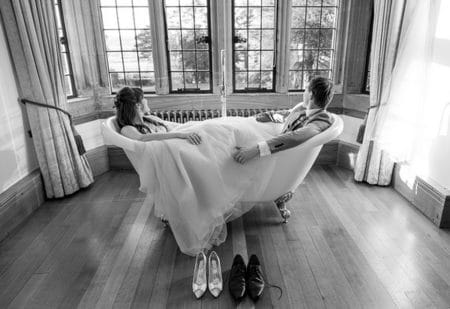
197 187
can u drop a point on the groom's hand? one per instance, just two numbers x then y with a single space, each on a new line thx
245 154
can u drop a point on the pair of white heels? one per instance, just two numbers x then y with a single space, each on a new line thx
214 282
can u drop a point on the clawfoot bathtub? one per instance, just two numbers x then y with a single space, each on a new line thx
291 165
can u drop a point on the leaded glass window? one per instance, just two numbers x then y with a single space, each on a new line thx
188 45
254 45
127 32
312 37
65 55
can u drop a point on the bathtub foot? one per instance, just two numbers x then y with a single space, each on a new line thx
281 204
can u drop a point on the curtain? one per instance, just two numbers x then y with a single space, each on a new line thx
373 164
32 36
415 105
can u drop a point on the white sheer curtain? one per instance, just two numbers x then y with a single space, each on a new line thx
374 165
412 112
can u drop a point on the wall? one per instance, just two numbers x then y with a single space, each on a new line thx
438 158
17 156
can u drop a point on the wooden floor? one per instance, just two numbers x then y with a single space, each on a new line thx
347 245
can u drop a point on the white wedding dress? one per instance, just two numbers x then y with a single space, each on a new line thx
197 187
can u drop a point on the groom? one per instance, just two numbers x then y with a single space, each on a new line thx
300 124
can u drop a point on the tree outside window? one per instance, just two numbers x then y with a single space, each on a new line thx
127 32
254 44
313 31
188 45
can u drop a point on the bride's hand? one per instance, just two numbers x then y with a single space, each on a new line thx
193 138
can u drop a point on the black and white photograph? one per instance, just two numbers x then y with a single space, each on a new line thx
225 154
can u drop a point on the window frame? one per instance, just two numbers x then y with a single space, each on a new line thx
275 55
334 49
367 70
59 11
121 51
167 53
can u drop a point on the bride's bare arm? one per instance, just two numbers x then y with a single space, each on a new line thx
133 133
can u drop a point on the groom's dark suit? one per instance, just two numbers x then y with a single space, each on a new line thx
299 126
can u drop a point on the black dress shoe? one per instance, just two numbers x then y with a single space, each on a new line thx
236 283
255 280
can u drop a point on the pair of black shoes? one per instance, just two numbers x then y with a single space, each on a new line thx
246 279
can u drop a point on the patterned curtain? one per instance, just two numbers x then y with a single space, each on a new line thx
32 36
373 165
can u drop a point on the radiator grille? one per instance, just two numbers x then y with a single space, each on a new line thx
182 116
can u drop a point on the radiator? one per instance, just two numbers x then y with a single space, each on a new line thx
182 116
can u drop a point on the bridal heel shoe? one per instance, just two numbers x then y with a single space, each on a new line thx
215 283
199 278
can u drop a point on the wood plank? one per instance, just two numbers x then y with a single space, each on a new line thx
144 289
124 258
105 267
269 259
164 274
288 269
22 298
125 294
355 230
180 294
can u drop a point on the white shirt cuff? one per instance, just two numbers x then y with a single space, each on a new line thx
264 149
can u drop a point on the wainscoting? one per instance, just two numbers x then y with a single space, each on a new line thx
19 201
426 195
119 161
98 160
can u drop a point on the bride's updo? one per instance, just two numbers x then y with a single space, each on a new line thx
125 103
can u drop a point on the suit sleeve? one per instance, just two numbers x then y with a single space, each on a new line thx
297 137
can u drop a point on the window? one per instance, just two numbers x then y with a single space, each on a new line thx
188 45
182 42
254 44
313 32
126 28
366 84
65 57
366 88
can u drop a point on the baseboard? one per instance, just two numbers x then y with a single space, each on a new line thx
426 195
19 201
327 155
98 160
118 160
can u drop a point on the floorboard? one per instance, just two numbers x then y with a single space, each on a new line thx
347 245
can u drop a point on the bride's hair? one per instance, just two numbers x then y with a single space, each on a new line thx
125 103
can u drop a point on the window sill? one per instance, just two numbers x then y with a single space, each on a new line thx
78 99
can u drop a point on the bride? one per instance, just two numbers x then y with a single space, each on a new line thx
196 186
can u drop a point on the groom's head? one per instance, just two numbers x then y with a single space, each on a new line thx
321 91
